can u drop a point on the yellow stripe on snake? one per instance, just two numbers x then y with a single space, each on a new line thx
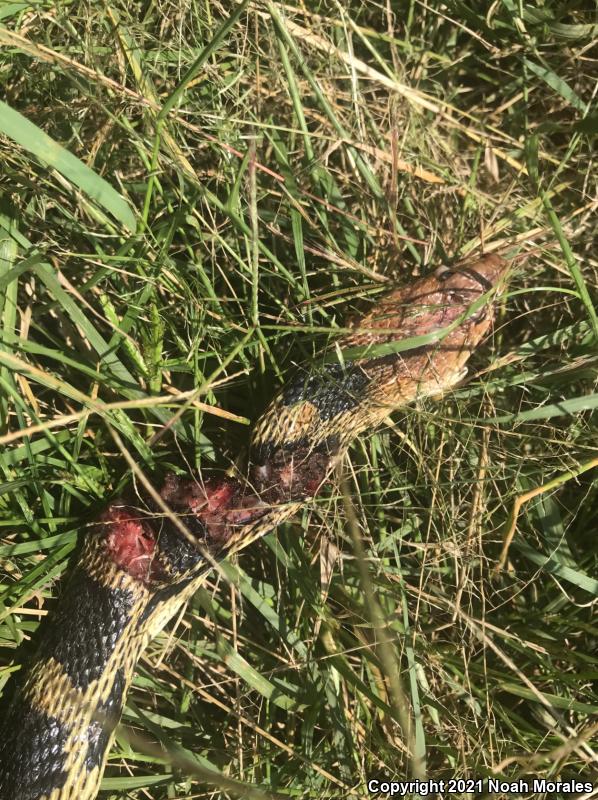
138 566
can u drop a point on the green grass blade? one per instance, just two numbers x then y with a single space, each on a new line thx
50 153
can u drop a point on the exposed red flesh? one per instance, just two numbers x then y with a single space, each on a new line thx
221 505
130 541
291 476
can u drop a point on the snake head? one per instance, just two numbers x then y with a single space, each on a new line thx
446 314
450 300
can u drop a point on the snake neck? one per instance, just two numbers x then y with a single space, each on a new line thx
61 719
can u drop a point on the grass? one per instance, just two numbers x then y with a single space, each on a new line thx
192 196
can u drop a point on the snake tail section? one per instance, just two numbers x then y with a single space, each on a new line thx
137 566
59 724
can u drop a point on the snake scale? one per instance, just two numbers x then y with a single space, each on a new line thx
138 565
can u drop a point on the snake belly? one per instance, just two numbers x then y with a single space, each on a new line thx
138 565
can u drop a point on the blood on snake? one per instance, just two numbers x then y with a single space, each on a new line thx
139 565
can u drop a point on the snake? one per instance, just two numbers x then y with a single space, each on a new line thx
139 562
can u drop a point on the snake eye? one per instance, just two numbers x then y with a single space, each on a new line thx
443 272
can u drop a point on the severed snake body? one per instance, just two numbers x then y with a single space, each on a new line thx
138 566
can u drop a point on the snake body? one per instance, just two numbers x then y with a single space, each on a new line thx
139 565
